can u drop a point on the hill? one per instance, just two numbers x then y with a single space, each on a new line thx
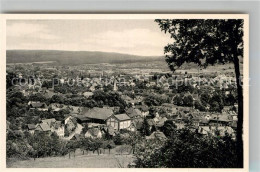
74 57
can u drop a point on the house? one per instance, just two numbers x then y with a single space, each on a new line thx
43 128
234 116
159 120
58 128
132 127
196 121
75 109
127 99
204 130
38 105
234 125
219 122
93 133
144 109
88 94
204 122
82 119
109 130
134 113
70 123
31 128
151 123
120 121
57 106
97 115
48 94
136 124
180 126
49 121
96 125
223 130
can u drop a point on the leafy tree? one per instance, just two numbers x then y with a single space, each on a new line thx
57 99
133 139
145 128
10 79
110 145
188 101
205 98
177 100
117 139
230 99
207 42
198 105
95 145
37 97
168 128
186 149
72 145
216 102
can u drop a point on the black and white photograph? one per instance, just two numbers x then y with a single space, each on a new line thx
126 91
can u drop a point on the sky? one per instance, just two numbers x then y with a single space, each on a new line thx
137 37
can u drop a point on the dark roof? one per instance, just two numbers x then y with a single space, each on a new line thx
31 126
219 120
122 117
83 118
98 113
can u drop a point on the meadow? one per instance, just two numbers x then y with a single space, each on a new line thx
79 161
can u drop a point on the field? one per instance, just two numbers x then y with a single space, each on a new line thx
88 160
79 161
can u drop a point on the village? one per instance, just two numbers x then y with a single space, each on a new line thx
138 93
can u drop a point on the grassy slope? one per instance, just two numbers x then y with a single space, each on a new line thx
80 161
88 160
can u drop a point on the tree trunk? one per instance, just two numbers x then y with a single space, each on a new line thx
239 131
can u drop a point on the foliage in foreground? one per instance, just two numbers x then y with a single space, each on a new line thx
187 149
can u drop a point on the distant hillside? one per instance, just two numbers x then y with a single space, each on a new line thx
74 57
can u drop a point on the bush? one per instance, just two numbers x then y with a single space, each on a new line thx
186 149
